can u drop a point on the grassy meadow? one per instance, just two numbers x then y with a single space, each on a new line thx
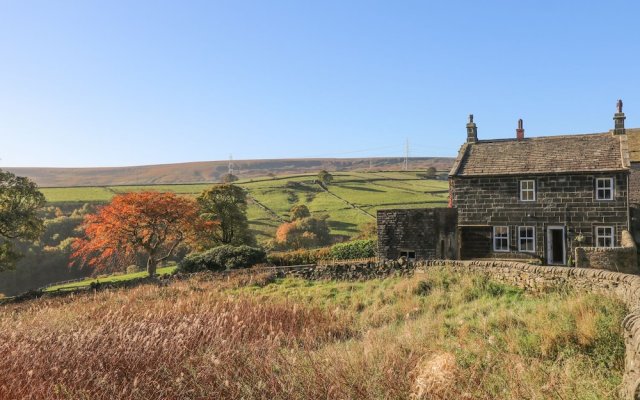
351 201
112 278
434 336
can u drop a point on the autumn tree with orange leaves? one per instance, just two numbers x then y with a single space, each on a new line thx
149 225
303 233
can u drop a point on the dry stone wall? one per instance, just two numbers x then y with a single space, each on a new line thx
620 259
352 272
625 287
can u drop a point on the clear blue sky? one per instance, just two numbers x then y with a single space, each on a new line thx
103 83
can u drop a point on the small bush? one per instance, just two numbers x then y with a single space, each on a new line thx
221 258
354 249
299 211
132 269
293 185
194 262
422 288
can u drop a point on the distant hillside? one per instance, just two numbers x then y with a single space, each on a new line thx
212 171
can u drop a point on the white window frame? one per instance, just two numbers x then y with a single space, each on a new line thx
496 238
405 253
611 189
531 190
531 238
601 235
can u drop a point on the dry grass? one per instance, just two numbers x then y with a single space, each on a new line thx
253 338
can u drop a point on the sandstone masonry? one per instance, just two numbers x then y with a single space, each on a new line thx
620 259
417 233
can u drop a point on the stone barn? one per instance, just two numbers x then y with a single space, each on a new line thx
425 233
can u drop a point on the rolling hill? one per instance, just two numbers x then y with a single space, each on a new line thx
212 171
350 201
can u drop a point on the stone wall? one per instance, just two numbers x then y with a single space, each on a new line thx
540 278
429 232
566 200
634 199
634 184
620 259
351 272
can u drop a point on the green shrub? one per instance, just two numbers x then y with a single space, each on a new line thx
194 262
231 257
298 257
354 249
342 251
221 258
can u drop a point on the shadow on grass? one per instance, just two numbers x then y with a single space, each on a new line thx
361 188
263 223
343 226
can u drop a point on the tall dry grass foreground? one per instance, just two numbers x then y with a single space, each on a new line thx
442 336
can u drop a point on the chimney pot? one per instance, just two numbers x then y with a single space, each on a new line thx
618 120
472 130
520 131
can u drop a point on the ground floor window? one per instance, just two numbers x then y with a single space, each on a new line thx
500 238
408 254
527 238
604 236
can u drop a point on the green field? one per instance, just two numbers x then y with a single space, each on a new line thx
352 200
108 279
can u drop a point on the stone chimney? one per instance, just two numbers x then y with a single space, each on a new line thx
472 130
520 131
618 119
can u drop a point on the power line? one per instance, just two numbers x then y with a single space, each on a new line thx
350 152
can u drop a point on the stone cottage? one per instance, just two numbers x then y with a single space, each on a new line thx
533 197
633 140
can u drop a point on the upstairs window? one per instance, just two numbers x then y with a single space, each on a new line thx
528 190
604 236
500 238
527 238
604 189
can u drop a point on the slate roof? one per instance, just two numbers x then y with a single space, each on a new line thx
540 155
633 135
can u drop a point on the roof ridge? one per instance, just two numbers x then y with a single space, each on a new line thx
530 138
